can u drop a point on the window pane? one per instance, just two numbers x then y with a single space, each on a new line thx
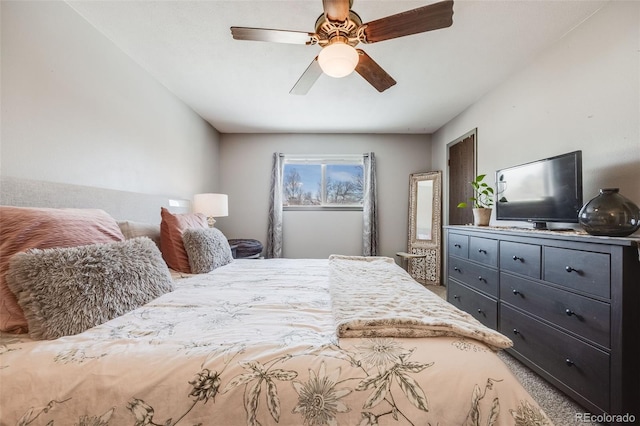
302 184
344 184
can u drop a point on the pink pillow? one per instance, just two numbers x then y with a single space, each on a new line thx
171 229
23 228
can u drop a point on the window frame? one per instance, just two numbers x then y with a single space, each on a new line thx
323 161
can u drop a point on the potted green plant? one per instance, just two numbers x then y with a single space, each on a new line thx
482 201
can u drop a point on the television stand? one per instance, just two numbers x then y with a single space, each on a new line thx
540 225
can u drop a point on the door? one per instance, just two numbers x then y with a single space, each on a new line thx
462 162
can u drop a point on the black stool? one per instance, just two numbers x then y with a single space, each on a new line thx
246 248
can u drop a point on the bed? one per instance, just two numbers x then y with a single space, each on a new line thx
346 340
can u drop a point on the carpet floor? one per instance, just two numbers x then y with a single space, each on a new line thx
562 410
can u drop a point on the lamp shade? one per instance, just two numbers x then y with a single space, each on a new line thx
338 59
211 205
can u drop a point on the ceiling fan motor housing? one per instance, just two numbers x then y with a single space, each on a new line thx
349 31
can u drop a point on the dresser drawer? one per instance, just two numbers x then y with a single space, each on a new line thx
481 307
520 258
581 270
581 367
483 250
458 245
477 276
586 317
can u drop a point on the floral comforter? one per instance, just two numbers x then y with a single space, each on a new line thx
254 343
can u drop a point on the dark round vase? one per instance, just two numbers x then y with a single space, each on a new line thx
610 214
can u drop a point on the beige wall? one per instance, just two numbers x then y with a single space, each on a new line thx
581 93
76 109
246 168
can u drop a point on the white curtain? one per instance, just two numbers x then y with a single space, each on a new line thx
370 208
274 233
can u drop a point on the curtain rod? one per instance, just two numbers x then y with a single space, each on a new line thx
322 155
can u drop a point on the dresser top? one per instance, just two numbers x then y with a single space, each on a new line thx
566 235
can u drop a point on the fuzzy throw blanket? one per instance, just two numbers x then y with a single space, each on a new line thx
373 297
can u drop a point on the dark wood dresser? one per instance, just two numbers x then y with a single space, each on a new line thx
569 301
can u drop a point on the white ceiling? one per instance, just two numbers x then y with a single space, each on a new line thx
243 86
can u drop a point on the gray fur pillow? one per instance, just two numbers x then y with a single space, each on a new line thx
65 291
207 249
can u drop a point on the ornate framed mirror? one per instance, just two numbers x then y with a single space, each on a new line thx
425 230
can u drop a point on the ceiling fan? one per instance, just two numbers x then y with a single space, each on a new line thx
339 29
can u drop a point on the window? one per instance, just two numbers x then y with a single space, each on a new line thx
323 182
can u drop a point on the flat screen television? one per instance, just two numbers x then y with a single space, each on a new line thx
547 190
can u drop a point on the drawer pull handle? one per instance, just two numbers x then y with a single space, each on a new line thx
515 292
518 258
569 362
569 312
482 279
570 269
515 331
457 246
480 312
455 268
455 296
482 251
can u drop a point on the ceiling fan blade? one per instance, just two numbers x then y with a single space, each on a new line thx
420 20
307 79
373 73
336 10
276 36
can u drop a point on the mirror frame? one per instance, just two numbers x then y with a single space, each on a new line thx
426 269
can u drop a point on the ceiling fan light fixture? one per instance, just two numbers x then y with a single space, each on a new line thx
338 59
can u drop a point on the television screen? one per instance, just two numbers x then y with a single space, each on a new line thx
547 190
